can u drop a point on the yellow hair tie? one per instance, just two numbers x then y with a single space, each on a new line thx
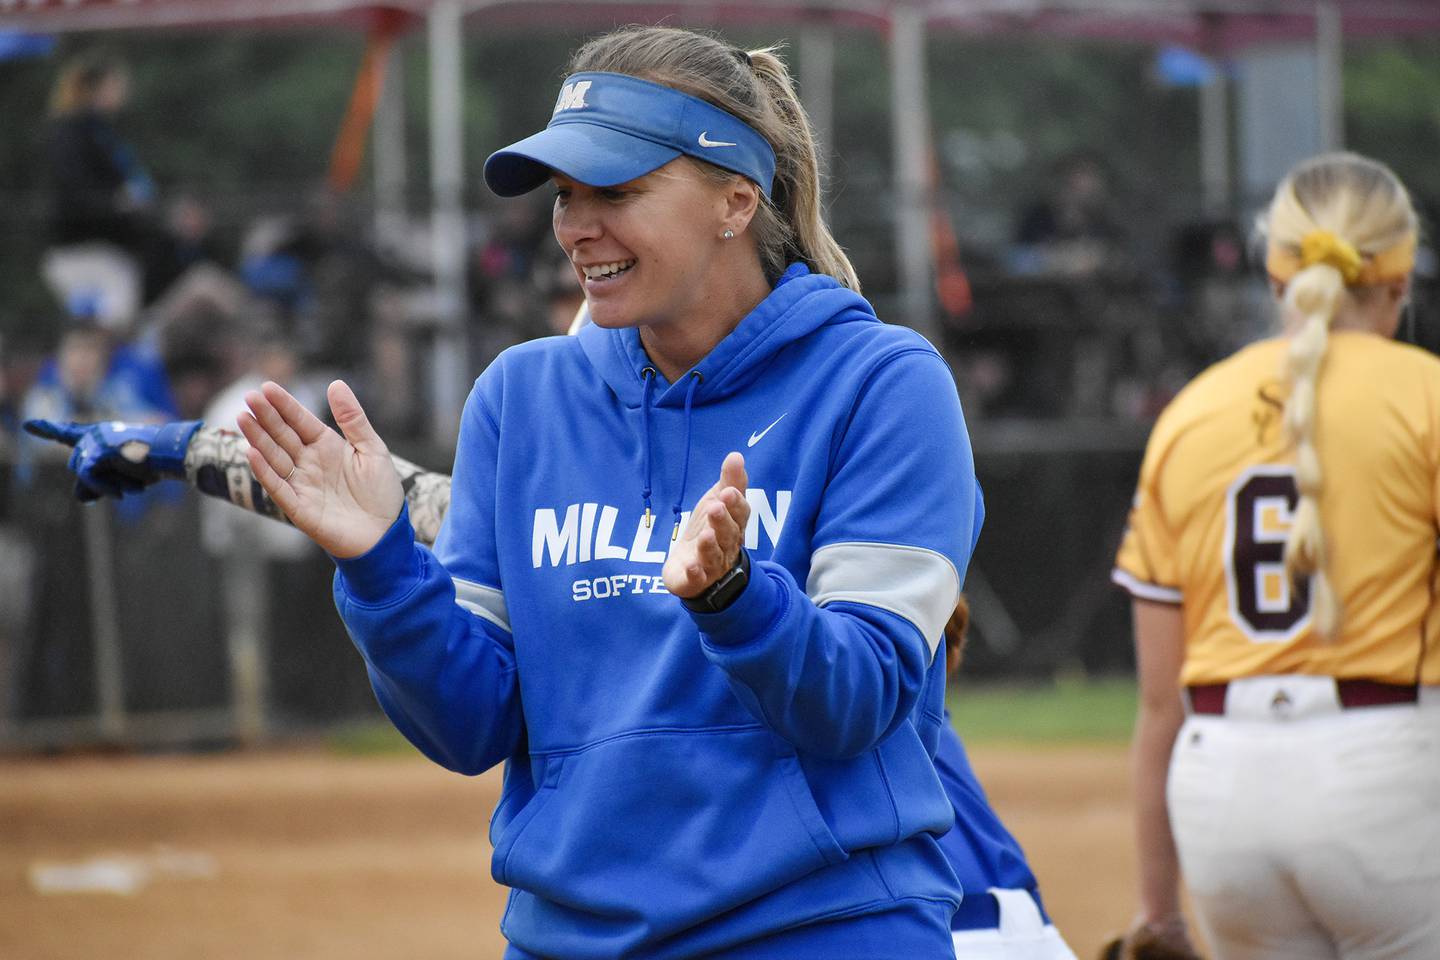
1322 246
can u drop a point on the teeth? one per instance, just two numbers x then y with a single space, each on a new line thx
601 271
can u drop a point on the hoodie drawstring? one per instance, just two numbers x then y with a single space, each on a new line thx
695 379
647 375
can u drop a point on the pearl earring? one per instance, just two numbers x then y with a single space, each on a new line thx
728 234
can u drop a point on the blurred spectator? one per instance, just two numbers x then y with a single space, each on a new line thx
99 192
1227 300
197 368
99 183
94 375
204 287
320 269
185 240
508 252
1074 232
273 263
199 334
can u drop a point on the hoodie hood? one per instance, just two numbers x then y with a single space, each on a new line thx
800 303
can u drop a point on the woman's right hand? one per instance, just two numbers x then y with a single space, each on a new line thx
342 491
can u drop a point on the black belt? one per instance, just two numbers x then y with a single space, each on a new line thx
1210 697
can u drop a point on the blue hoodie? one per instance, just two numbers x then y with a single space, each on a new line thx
679 783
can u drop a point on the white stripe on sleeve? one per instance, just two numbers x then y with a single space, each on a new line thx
920 585
487 603
1145 591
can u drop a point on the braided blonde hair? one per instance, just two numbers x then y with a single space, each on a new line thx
756 87
1332 212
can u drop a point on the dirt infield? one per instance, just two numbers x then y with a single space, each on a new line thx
305 855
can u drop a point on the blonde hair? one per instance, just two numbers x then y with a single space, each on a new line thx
79 80
756 87
1333 212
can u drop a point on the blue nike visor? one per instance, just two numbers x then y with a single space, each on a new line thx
609 128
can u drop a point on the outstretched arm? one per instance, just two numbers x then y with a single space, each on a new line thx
113 459
215 464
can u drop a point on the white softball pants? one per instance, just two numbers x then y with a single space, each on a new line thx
1023 933
1308 831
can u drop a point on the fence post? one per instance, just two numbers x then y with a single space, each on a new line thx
105 621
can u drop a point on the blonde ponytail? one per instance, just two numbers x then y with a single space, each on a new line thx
756 87
1313 294
1337 224
799 231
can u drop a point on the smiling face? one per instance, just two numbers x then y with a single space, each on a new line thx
645 252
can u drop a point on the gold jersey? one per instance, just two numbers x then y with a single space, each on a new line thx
1217 494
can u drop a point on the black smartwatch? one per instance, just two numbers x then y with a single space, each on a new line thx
722 592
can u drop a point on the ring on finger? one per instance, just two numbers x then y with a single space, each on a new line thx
293 467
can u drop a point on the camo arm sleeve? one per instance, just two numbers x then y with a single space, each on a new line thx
215 464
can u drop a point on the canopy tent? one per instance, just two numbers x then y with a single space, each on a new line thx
1210 26
62 16
1213 26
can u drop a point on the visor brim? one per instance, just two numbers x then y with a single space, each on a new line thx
595 155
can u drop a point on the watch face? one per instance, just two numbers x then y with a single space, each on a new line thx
723 592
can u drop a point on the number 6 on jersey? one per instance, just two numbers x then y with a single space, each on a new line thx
1265 603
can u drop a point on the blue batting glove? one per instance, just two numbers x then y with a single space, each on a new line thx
114 458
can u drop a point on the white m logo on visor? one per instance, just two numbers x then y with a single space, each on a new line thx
572 96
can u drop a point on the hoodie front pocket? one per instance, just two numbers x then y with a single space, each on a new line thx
511 831
665 829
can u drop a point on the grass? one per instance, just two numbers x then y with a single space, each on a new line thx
1065 711
368 738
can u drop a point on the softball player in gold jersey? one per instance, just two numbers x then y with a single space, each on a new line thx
1281 554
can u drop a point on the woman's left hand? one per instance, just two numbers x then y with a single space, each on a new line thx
711 542
341 491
